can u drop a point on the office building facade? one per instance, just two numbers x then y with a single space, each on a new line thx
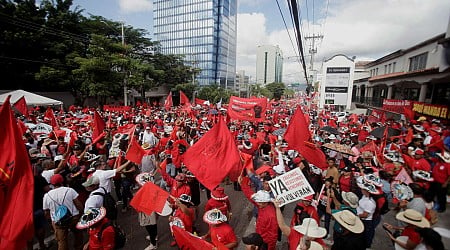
204 31
269 64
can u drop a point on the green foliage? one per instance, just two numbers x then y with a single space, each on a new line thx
53 47
277 89
187 88
258 91
215 93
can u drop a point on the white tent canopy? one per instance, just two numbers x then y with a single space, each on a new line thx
30 98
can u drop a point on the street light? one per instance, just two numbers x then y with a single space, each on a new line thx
125 89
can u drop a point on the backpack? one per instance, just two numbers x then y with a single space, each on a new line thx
62 214
119 238
109 203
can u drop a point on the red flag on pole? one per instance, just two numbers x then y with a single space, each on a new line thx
98 138
214 156
21 106
184 100
150 198
51 116
168 103
99 125
135 152
188 241
17 185
297 132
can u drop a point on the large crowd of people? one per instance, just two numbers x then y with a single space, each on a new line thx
82 183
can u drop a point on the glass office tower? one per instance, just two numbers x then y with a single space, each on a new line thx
202 30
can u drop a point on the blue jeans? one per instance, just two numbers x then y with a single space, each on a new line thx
126 191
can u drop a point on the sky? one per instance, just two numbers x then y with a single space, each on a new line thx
366 29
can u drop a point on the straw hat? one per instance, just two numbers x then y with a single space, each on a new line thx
423 175
310 228
313 246
413 217
90 217
47 141
261 196
349 221
214 217
350 198
445 156
146 146
219 194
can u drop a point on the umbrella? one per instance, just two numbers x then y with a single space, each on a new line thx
279 132
379 132
344 149
330 130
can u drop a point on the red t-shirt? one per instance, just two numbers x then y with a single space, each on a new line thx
345 183
295 237
188 220
108 237
420 164
441 172
222 234
412 234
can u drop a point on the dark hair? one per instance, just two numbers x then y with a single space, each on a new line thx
431 238
253 239
416 188
329 179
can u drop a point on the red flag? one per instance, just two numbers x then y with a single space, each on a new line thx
22 127
17 185
297 132
98 138
248 161
21 106
214 156
51 116
150 198
135 152
409 113
127 129
313 154
371 146
184 100
188 241
99 125
73 138
168 103
409 136
199 101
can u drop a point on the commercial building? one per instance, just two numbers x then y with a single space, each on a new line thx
242 84
269 64
202 30
419 75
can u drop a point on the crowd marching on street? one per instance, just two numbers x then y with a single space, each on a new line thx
93 165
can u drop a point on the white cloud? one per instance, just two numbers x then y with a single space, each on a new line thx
132 6
365 29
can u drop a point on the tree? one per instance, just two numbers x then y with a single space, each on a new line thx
187 88
277 89
258 91
215 93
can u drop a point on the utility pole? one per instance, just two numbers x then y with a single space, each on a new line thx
125 88
313 50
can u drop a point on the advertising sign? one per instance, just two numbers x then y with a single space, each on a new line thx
247 109
396 105
440 111
116 108
336 85
291 186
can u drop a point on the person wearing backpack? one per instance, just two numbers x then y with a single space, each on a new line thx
63 207
99 197
102 235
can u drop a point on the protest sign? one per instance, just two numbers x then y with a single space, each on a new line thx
247 109
290 187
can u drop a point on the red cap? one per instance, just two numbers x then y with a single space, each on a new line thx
418 152
56 179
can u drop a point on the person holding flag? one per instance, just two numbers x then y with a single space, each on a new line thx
220 232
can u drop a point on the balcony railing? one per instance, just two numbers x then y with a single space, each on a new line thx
369 101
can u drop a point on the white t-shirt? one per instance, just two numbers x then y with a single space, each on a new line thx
94 200
105 177
366 204
47 174
55 197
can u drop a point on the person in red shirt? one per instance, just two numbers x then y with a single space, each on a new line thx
419 163
296 234
266 223
441 176
184 212
101 231
413 220
303 210
178 185
221 233
220 201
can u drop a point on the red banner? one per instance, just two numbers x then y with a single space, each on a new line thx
116 108
397 106
440 111
247 109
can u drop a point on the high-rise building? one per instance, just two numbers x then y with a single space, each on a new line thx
269 64
202 30
241 85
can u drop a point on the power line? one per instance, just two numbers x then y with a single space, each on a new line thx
295 14
35 61
289 34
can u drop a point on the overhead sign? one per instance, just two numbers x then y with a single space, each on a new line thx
336 85
291 186
247 109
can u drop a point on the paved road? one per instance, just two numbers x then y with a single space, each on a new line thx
241 222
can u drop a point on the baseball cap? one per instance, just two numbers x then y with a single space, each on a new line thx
93 180
56 179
